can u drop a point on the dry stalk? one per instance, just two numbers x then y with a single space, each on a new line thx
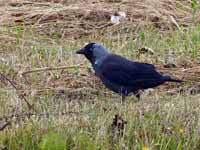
51 68
4 126
44 114
193 69
15 87
29 114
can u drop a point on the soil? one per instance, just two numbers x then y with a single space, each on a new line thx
77 18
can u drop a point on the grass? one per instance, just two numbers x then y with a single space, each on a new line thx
72 110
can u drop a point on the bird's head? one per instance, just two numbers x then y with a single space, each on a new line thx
93 52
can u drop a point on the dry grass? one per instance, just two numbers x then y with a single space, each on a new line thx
76 19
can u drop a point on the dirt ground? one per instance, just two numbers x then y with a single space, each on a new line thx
77 18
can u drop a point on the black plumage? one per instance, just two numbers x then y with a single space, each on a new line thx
120 74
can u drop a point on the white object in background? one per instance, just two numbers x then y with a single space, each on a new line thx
117 17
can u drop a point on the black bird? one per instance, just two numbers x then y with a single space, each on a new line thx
120 74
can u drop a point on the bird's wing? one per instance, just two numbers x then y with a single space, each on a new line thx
121 71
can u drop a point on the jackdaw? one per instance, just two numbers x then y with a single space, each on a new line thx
121 75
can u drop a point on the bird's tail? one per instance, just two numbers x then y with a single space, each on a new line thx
170 79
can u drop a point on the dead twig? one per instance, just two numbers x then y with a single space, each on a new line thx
21 96
43 114
4 126
193 69
172 19
29 114
51 68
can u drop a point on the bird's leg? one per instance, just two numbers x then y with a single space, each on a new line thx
122 95
122 98
137 95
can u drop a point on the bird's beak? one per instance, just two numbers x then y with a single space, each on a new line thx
81 51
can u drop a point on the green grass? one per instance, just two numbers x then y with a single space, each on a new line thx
81 119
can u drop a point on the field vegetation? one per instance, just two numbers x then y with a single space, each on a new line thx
50 98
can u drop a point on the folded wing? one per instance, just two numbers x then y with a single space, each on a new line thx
121 71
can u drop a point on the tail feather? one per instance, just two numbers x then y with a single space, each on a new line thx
170 79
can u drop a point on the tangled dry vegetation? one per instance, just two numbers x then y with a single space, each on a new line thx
75 19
